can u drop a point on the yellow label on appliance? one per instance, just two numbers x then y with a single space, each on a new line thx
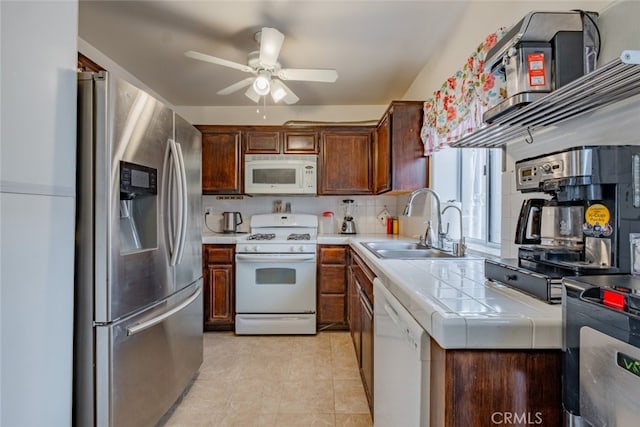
597 215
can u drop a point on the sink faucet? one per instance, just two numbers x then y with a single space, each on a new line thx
458 248
407 212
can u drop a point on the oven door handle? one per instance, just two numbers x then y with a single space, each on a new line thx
274 258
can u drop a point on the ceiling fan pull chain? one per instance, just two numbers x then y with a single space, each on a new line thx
264 106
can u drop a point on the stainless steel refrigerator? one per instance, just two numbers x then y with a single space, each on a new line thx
138 302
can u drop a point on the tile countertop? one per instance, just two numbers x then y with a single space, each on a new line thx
452 301
455 304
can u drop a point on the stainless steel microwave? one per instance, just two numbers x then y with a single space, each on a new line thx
280 174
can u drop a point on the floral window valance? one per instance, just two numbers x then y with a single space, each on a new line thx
455 110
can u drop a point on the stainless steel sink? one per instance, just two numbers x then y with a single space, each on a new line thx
392 246
405 250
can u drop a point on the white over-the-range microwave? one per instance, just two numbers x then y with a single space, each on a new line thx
280 174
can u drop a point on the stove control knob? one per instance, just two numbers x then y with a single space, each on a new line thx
546 168
300 248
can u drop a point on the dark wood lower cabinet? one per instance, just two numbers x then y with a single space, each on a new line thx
495 387
219 287
360 297
366 342
332 287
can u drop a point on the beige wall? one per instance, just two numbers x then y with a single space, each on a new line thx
277 115
616 124
481 18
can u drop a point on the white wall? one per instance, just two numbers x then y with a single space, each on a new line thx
37 204
366 210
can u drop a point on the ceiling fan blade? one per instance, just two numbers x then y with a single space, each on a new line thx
236 86
280 91
308 75
219 61
270 43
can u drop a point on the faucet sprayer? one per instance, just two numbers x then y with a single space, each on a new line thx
458 248
409 206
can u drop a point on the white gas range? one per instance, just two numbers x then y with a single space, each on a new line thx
276 275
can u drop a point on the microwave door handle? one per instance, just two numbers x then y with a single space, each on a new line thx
183 204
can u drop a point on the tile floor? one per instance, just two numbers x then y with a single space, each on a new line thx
275 381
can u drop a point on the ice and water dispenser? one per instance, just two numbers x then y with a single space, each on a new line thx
138 207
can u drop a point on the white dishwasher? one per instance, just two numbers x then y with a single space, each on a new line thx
401 358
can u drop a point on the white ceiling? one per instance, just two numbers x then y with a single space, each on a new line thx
377 47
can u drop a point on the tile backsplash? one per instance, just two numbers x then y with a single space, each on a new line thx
366 209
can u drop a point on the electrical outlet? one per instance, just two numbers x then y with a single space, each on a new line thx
382 216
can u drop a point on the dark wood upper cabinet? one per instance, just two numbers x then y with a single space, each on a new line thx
400 164
346 161
87 64
382 156
221 160
262 142
300 142
352 159
280 140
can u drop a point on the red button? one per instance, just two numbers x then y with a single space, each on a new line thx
613 299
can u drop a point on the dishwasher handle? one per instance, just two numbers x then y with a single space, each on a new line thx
392 313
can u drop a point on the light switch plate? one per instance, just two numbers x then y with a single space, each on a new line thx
382 216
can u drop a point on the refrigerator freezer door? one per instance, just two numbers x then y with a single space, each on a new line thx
144 362
189 267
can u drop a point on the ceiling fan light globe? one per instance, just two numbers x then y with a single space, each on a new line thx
278 91
261 85
278 94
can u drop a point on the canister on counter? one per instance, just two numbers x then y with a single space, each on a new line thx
327 223
396 225
389 225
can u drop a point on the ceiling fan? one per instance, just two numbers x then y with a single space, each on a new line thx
267 72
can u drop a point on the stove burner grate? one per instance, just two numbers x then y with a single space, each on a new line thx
262 236
299 236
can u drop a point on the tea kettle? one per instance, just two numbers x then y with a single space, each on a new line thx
230 222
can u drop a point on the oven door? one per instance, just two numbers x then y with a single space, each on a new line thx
276 283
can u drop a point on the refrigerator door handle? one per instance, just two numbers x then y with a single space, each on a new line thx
182 204
172 159
167 168
142 326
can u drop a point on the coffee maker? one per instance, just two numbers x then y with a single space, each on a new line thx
583 229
